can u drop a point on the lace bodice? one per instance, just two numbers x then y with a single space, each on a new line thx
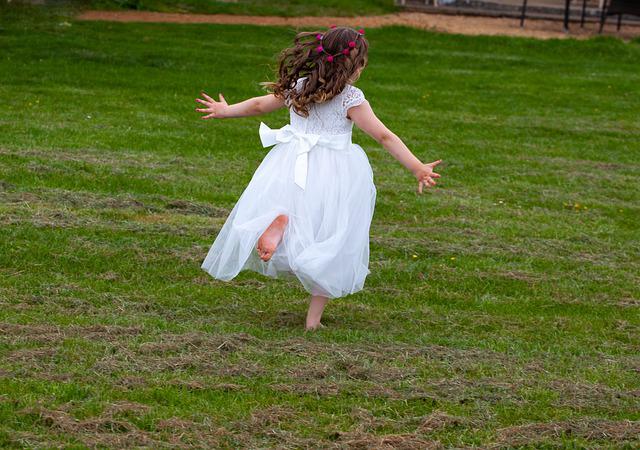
328 117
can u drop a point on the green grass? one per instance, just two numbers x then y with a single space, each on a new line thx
516 324
289 8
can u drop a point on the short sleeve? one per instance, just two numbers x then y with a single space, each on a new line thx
352 97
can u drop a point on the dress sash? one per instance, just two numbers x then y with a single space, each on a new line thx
304 143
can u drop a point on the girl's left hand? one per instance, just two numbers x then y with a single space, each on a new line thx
214 109
426 175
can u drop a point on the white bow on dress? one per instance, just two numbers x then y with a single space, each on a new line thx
304 143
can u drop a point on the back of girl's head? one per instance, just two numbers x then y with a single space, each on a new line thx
330 60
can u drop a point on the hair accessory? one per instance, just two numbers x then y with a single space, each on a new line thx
345 51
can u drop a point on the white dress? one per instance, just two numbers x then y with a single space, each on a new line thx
324 184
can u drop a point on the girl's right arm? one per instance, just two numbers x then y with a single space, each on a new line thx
365 119
250 107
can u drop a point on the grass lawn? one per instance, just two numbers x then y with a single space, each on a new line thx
502 308
289 8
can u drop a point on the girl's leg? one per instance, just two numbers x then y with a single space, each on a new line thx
314 314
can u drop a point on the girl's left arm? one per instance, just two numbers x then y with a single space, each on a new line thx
364 117
250 107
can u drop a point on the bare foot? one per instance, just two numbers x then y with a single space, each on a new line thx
270 239
314 328
314 314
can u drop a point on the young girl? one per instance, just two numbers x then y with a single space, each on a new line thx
307 210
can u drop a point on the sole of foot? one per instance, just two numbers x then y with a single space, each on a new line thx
268 242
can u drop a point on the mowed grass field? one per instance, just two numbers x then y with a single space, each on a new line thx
502 310
289 8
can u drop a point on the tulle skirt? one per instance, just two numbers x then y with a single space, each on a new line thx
326 241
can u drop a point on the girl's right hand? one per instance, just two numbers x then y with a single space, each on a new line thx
214 109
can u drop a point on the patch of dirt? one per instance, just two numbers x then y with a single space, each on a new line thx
189 207
371 371
6 186
466 391
202 362
628 302
131 160
364 370
131 382
203 353
269 424
103 430
39 355
62 198
47 216
459 24
366 421
326 369
311 371
47 334
529 278
392 352
225 344
323 389
329 369
590 429
289 319
125 407
42 207
176 424
366 441
195 385
269 416
439 420
112 431
367 431
578 395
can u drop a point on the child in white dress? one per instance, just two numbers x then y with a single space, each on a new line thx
307 210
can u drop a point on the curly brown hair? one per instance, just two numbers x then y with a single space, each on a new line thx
328 71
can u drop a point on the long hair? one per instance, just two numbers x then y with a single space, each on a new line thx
328 70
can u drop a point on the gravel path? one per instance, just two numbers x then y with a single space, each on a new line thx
472 25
